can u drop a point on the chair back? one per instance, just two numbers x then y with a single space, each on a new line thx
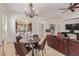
43 44
35 35
20 49
18 38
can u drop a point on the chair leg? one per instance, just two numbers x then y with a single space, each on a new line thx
16 54
36 50
42 53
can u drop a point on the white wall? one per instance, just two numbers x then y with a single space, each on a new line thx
65 19
2 12
70 19
59 23
11 25
35 24
11 28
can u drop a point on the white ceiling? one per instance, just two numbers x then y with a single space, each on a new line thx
43 8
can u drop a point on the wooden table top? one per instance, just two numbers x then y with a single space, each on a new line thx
30 40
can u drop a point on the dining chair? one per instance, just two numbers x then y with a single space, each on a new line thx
21 50
18 38
36 36
41 47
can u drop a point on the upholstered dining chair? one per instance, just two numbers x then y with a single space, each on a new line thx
41 47
21 50
18 38
36 36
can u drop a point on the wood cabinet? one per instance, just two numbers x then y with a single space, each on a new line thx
58 44
63 46
73 48
66 46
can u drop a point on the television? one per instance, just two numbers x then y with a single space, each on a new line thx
72 26
76 26
69 27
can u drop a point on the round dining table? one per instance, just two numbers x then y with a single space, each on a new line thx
31 41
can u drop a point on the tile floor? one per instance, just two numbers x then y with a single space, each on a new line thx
10 51
49 52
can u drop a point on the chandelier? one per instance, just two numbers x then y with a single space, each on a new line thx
32 12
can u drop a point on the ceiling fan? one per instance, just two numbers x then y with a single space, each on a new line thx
72 7
32 12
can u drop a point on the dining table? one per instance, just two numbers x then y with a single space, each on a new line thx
31 41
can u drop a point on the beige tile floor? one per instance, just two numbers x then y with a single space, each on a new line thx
10 51
49 52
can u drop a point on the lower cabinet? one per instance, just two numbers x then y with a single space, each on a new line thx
73 48
63 48
69 47
58 44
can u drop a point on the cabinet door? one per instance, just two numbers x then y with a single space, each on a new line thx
63 47
73 48
57 44
50 42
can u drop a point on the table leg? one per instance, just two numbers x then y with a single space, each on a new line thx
32 49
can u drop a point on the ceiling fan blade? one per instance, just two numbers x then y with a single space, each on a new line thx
71 4
72 10
76 7
74 4
65 11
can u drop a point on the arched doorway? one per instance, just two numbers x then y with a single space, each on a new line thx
23 26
